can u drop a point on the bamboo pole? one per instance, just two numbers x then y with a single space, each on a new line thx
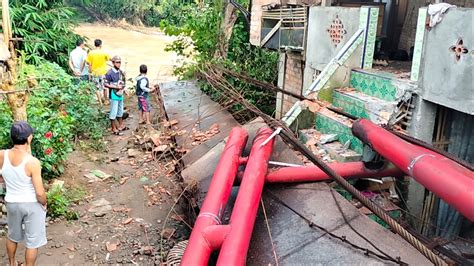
5 22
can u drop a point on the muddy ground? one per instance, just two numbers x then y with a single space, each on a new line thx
123 217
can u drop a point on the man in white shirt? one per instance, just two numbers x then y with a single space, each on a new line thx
77 61
25 199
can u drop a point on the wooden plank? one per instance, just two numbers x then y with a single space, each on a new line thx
270 34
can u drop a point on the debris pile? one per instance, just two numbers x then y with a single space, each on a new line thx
199 137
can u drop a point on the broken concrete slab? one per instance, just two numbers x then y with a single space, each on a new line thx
338 152
294 241
185 103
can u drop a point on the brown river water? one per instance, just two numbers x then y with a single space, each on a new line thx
135 47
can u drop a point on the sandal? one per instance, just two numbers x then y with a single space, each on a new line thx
118 133
123 129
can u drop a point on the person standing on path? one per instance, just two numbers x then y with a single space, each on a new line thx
142 91
25 197
77 62
97 60
115 82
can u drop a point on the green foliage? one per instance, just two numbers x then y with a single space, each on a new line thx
60 112
198 39
46 27
148 12
58 204
131 10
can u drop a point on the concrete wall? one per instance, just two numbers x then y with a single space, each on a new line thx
319 47
407 37
446 79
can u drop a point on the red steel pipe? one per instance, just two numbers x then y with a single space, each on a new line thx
447 179
314 173
236 244
215 235
199 248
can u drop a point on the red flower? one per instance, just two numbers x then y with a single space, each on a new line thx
48 151
64 113
48 134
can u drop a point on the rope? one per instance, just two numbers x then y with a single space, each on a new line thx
269 232
312 225
357 232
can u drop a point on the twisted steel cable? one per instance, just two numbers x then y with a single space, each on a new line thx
215 79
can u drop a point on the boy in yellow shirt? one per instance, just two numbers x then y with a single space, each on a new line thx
97 60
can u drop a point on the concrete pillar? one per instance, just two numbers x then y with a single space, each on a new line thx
421 127
326 2
280 84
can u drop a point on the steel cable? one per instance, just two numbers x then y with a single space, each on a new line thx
215 79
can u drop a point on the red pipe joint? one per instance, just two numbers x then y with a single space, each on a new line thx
235 246
199 248
447 179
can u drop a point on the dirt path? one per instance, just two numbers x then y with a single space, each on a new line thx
122 217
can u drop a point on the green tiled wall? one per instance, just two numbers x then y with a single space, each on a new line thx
350 105
328 125
373 85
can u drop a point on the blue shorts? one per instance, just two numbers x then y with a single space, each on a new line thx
116 109
144 104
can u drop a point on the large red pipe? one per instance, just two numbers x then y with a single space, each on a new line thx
235 246
199 248
447 179
314 173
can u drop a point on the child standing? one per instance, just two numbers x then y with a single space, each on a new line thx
142 92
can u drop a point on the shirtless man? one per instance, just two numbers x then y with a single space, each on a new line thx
25 197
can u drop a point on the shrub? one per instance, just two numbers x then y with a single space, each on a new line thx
58 204
60 112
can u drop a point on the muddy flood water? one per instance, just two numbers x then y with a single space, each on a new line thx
135 47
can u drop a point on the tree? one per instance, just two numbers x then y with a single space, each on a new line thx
17 100
46 29
226 28
43 29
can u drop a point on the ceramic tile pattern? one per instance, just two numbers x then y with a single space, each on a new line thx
327 125
371 36
373 85
418 50
350 105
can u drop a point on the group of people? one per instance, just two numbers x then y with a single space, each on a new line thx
110 83
25 198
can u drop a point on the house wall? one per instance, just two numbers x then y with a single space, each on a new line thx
292 81
320 48
407 37
259 5
446 77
